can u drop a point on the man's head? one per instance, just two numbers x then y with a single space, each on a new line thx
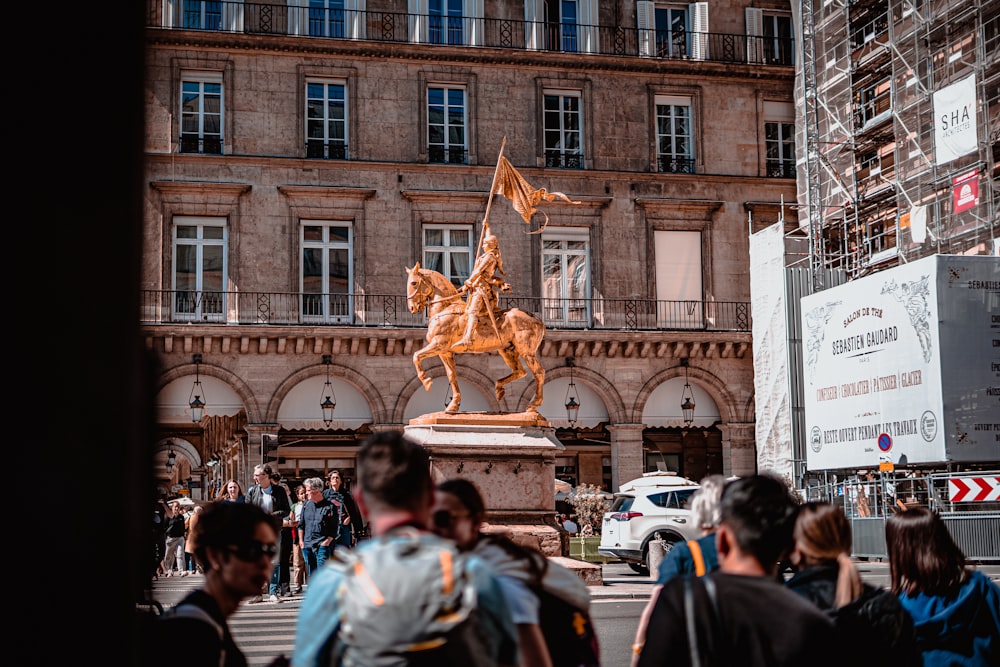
705 502
394 474
336 481
262 474
756 520
237 543
314 489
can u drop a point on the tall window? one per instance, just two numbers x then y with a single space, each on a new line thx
561 17
674 135
446 133
326 119
679 291
202 15
777 33
780 149
199 268
448 250
672 31
566 277
201 112
326 18
563 121
326 271
444 22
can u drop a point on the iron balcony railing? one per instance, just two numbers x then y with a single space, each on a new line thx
378 26
389 310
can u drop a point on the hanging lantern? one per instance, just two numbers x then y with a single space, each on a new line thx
328 402
572 404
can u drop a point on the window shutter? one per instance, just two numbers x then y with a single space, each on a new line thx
588 26
417 9
295 13
473 12
699 29
355 18
645 16
232 16
534 27
755 28
171 13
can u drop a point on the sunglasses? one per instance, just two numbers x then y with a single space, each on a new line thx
443 518
252 551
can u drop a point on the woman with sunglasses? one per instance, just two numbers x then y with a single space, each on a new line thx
458 514
237 543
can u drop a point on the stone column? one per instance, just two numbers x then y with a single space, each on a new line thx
627 461
255 447
739 448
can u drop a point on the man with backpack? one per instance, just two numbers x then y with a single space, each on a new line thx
405 597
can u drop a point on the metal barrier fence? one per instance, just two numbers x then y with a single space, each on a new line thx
968 502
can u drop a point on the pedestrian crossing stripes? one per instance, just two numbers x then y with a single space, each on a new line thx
263 631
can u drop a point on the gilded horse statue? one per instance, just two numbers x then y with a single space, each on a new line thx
514 333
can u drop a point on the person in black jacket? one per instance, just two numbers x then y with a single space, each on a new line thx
273 499
869 619
353 524
740 614
236 545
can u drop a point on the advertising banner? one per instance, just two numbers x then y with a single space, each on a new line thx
903 366
965 191
955 120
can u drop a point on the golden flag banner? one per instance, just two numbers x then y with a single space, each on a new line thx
522 196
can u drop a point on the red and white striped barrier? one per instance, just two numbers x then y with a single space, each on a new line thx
970 489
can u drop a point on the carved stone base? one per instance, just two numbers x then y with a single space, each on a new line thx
512 463
483 419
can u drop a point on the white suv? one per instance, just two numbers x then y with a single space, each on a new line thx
654 505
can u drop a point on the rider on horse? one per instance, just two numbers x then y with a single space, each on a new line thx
482 285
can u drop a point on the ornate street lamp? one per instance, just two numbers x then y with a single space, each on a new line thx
687 397
572 404
195 402
171 459
328 403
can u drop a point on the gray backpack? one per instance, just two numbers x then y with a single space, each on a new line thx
406 599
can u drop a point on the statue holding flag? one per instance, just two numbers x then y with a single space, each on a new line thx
481 287
478 325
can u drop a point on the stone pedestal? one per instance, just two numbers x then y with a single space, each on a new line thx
511 460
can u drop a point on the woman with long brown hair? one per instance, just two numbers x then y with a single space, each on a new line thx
955 610
869 619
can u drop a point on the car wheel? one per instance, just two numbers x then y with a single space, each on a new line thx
638 568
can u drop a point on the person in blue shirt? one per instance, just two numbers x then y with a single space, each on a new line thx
395 494
955 610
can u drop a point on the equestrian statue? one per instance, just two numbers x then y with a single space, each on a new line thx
455 326
477 325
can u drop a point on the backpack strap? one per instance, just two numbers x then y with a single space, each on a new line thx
697 557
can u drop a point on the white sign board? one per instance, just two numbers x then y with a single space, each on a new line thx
955 131
903 366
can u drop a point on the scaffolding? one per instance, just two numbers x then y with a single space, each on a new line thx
876 191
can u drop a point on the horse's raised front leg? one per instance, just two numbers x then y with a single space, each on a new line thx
429 350
448 361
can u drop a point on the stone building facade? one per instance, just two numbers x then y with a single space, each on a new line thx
297 159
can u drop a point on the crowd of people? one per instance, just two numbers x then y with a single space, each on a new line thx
770 582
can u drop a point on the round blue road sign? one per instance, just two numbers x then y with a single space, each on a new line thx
884 442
